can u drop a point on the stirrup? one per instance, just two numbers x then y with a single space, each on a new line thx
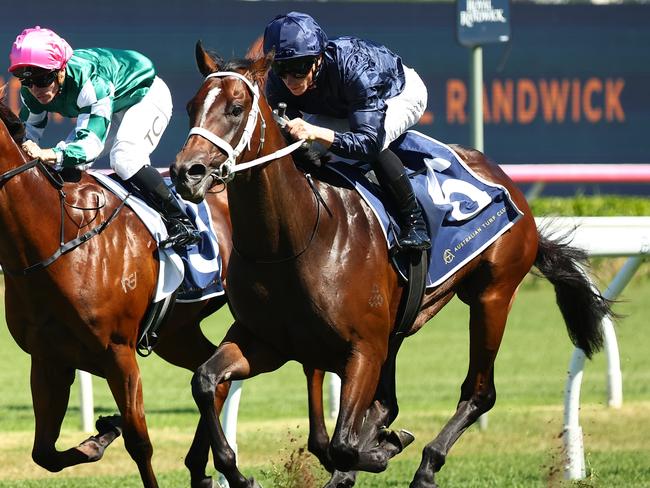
413 240
181 235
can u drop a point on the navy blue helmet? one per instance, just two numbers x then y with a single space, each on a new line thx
294 35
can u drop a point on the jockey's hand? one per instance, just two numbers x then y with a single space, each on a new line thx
33 150
299 129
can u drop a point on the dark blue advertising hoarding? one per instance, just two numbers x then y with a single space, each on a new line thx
571 86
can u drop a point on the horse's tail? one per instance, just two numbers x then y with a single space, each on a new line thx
581 304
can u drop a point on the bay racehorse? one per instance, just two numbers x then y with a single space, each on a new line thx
311 281
84 310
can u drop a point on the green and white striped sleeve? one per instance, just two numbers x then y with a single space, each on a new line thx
95 102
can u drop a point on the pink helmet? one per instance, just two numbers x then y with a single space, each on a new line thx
39 47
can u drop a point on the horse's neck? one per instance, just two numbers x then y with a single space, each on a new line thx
25 199
275 202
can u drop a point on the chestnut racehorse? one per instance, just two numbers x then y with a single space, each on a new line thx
84 310
311 281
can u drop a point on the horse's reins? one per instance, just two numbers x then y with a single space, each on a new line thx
64 247
226 171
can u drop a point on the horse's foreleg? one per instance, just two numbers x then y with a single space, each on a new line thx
183 344
50 386
240 356
197 457
376 444
124 380
357 392
487 321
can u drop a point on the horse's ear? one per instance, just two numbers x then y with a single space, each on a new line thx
204 61
261 66
256 50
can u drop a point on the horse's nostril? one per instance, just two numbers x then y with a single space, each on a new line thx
197 169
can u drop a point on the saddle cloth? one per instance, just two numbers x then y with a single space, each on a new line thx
196 270
464 213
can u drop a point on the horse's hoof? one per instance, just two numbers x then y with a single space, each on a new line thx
342 479
112 423
91 449
204 483
400 438
418 482
253 484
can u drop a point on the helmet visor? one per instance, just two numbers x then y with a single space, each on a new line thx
296 67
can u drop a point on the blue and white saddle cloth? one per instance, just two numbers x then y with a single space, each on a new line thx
464 213
196 270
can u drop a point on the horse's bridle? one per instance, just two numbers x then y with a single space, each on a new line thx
64 247
226 171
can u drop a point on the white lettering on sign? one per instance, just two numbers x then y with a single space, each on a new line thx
479 11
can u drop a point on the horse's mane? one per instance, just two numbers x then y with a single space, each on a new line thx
14 125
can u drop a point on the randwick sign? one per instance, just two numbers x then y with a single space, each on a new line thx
483 21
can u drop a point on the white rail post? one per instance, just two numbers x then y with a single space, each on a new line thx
229 420
86 401
335 395
572 434
574 467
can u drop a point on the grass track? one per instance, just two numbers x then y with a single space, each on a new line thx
521 447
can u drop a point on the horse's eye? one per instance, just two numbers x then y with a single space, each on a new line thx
237 110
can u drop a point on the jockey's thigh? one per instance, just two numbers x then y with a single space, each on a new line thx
405 110
140 130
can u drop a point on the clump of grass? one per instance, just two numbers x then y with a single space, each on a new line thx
297 468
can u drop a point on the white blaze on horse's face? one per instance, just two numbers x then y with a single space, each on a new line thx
207 103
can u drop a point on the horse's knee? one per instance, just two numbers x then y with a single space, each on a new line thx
317 443
204 386
483 399
46 459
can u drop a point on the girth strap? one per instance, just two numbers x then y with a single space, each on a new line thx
411 302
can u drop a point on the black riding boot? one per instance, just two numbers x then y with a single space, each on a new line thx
392 177
180 228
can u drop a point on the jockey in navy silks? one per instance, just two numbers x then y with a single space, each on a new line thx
355 98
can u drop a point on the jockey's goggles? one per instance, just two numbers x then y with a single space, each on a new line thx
41 80
296 67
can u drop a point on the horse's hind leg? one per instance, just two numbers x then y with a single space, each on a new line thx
488 313
124 380
184 345
50 386
318 440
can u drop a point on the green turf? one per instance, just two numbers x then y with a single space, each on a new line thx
520 448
